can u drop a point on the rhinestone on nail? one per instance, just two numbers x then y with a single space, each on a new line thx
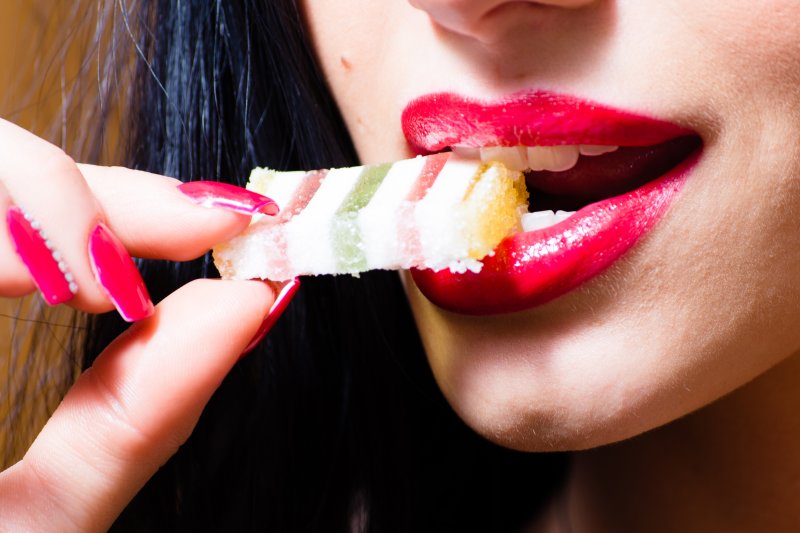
36 226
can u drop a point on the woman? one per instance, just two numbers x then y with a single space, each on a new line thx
675 333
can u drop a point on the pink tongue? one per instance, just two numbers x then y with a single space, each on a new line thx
597 177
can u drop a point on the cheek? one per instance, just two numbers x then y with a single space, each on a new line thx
749 46
362 59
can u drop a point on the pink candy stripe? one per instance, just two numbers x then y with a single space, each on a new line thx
430 171
278 253
407 231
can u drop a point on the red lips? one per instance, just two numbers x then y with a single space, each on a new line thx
531 268
434 122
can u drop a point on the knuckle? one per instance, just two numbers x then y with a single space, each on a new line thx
49 490
129 440
53 161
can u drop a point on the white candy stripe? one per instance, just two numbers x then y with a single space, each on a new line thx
308 233
280 186
378 221
434 214
264 238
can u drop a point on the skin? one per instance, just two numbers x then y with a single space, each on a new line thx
124 417
705 306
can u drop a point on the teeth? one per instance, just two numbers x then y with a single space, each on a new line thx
467 152
543 219
596 149
513 157
552 158
563 215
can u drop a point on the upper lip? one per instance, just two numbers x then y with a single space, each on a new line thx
434 122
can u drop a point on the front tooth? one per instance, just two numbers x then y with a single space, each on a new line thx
596 149
543 219
562 215
467 152
552 158
537 220
513 157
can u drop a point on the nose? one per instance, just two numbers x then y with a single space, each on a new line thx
477 18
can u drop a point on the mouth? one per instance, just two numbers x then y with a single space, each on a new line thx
599 179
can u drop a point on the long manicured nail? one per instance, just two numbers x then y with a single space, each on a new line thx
226 196
117 274
47 267
284 292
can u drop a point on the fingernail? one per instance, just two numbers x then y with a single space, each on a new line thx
117 274
230 197
284 291
47 267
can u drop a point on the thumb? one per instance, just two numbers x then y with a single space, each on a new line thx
131 411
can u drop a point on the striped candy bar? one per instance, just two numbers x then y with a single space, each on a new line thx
439 211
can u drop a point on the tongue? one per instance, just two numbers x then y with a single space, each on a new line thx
594 178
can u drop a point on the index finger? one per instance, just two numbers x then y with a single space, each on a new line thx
154 219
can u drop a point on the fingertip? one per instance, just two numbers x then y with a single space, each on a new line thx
154 219
117 274
250 298
284 292
220 195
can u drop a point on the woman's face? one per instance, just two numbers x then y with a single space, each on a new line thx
706 300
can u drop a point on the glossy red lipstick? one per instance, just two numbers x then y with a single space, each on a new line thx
434 122
531 268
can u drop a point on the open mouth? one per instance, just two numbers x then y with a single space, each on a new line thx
598 180
564 179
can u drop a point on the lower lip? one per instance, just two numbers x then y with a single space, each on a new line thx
531 268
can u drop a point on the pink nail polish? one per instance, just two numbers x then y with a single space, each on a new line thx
117 274
47 268
226 196
284 292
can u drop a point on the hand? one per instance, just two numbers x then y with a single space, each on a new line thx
126 415
131 411
70 227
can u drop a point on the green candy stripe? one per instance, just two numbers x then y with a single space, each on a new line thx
346 236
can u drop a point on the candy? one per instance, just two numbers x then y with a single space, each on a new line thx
439 211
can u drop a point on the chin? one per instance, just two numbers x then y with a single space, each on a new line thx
559 379
528 420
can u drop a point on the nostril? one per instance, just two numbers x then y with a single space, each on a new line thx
566 3
476 17
460 16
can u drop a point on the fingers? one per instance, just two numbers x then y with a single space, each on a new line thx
155 219
49 211
129 413
72 228
56 229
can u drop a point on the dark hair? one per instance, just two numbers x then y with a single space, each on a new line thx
334 423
